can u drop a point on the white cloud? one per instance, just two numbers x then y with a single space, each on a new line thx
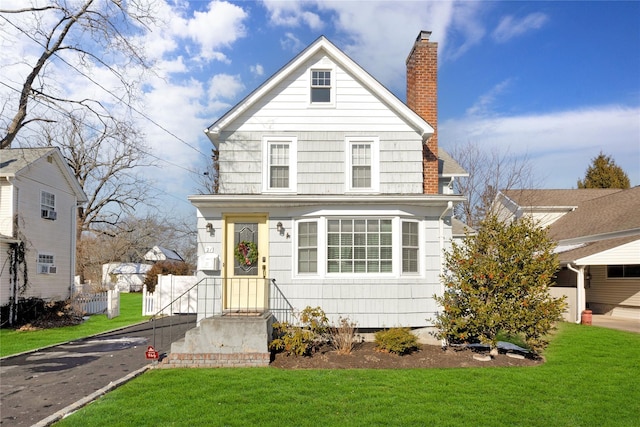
257 70
220 26
484 105
291 43
225 86
379 34
292 14
510 27
560 144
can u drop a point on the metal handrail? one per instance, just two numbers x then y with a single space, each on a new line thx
222 303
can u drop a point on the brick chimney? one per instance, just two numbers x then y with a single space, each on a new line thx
422 97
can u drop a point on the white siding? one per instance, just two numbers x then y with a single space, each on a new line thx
321 162
288 107
608 294
6 208
628 253
321 133
373 301
42 235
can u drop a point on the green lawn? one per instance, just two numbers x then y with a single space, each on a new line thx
12 342
590 378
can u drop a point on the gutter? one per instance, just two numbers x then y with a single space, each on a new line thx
580 295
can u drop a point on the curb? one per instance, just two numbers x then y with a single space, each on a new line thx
88 399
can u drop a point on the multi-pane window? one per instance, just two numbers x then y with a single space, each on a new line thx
623 271
359 246
47 204
279 165
320 86
410 245
45 264
307 247
361 165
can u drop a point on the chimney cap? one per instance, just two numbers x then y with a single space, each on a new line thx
424 35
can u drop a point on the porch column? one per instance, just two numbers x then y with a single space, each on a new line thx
581 303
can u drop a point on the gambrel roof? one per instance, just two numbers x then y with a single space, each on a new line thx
323 45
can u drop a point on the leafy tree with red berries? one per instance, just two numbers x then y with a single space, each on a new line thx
498 282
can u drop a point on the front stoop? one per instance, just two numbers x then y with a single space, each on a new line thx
223 341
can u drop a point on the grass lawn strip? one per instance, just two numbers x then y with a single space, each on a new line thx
589 379
14 342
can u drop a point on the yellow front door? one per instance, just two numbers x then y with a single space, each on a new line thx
246 270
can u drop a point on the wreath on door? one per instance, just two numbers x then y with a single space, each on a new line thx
246 253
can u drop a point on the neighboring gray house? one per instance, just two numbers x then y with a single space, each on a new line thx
598 235
335 189
39 196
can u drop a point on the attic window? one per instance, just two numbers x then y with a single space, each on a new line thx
320 86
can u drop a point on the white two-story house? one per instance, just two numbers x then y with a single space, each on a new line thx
39 196
332 188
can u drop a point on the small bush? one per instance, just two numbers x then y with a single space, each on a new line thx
301 340
343 336
396 340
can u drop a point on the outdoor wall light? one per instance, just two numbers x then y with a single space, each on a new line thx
209 228
279 227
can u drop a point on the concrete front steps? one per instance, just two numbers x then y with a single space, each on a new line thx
224 341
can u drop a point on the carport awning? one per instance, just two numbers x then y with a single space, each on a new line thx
622 250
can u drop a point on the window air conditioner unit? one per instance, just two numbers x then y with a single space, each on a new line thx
49 214
53 269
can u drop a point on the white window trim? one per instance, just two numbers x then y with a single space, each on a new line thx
47 264
396 230
47 207
332 92
420 247
320 250
267 141
375 163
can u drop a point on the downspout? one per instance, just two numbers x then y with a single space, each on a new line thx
580 297
72 263
441 223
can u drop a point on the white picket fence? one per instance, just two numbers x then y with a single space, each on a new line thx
98 303
164 299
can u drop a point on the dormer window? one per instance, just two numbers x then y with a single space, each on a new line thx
320 86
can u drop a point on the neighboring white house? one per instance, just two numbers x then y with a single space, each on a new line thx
334 188
125 276
598 235
158 253
39 196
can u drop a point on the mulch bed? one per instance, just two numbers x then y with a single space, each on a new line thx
365 355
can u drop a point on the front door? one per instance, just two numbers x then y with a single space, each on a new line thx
246 272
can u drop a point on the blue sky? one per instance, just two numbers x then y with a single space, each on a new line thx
555 81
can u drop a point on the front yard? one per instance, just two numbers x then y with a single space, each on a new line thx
590 378
12 341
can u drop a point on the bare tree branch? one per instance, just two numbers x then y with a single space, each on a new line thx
490 170
100 35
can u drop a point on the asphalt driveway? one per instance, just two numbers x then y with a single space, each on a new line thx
37 385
